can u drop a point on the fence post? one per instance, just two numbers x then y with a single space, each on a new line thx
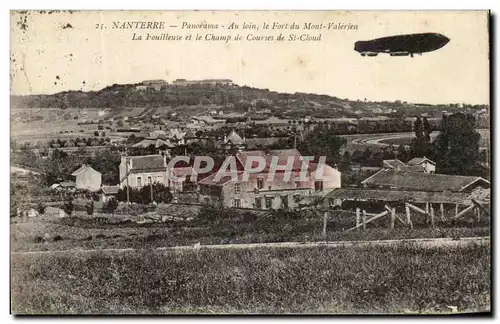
441 206
408 218
357 216
325 218
364 219
393 218
432 216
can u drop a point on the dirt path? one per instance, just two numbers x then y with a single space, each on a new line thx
422 243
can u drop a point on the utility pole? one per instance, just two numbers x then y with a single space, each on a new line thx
126 174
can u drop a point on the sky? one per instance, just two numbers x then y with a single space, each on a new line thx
69 51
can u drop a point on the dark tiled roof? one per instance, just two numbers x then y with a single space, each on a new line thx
407 180
210 180
400 195
147 162
110 190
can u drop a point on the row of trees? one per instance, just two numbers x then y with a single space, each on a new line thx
456 149
59 165
156 192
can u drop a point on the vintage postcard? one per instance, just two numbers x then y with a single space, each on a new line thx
250 162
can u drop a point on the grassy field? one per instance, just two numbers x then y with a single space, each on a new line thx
36 236
315 280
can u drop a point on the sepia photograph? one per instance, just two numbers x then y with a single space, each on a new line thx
237 162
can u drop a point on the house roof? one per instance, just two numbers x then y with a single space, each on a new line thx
420 160
82 169
210 180
110 190
407 196
54 210
234 138
67 184
393 164
147 162
282 158
156 142
418 181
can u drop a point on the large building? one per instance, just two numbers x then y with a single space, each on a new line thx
260 192
210 82
403 179
151 84
143 170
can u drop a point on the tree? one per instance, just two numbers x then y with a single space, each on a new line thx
40 208
421 144
90 208
68 206
345 164
457 146
322 142
110 206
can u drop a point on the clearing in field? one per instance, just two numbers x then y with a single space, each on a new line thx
320 280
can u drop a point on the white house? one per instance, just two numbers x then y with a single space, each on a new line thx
428 165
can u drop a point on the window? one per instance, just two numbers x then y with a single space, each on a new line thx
284 202
318 185
150 180
139 182
269 202
236 203
236 188
260 183
258 203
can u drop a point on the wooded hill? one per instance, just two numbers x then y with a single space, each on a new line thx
239 99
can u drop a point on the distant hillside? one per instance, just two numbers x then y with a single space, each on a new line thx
231 98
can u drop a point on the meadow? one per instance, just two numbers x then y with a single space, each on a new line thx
73 233
400 279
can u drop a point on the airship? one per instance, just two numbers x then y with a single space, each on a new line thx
402 45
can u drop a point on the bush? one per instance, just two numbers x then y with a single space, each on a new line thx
161 194
40 208
90 208
110 206
57 238
38 239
